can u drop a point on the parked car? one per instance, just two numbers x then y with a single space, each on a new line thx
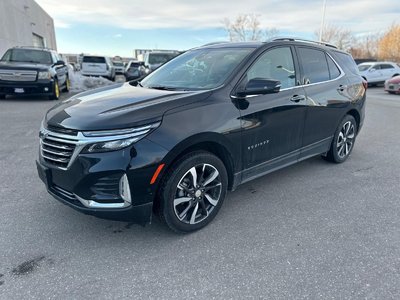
377 72
392 85
134 70
33 71
119 67
205 122
98 66
152 60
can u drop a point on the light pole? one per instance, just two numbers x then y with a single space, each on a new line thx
321 29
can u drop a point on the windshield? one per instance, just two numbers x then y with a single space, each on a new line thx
28 55
160 58
118 64
364 67
197 69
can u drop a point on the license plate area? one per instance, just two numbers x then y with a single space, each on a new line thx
19 90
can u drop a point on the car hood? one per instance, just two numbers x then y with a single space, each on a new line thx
395 79
15 65
118 106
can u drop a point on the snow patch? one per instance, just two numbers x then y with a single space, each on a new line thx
80 83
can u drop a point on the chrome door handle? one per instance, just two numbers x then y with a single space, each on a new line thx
298 98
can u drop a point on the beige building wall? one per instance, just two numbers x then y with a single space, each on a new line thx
25 23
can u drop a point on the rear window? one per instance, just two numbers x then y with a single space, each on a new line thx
315 66
345 60
94 59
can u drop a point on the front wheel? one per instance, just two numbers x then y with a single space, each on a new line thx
67 85
193 191
343 140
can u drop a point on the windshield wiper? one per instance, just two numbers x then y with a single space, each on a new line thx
162 87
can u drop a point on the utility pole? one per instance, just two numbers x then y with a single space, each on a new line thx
321 29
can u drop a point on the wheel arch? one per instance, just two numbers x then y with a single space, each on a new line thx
356 115
214 143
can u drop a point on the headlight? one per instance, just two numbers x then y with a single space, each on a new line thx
44 75
111 140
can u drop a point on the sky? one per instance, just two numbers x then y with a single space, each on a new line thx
116 27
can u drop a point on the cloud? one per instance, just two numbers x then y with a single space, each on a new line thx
61 24
357 15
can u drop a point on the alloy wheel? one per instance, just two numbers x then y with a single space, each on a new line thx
345 139
197 194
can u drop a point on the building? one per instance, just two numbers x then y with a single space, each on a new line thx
139 53
25 23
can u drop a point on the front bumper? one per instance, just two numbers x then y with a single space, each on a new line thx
392 87
39 87
95 178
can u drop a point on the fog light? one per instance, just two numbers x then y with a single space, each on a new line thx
46 89
124 189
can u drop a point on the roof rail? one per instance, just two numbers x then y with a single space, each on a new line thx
33 47
215 43
292 39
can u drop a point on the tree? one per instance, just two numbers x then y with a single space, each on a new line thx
389 45
336 35
247 27
366 46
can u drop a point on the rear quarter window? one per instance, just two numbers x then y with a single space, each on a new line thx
346 62
94 59
314 64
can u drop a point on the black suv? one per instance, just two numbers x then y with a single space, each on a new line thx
28 70
203 123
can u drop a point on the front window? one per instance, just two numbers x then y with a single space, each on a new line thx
362 68
197 69
28 55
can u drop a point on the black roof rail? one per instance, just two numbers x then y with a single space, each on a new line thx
215 43
293 39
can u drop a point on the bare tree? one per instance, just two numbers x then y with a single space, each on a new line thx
246 27
366 46
340 37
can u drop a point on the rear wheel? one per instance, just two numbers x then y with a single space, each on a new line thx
343 140
193 191
67 85
56 91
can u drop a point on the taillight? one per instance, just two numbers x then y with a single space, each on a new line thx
365 84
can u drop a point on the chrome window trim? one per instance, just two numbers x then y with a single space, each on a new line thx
341 75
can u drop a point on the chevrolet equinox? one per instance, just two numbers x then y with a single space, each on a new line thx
208 120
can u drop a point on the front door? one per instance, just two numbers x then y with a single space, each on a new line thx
272 124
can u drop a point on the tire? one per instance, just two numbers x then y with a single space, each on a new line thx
67 85
2 97
343 140
186 208
56 91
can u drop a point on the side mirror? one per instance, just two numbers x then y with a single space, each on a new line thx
60 63
260 86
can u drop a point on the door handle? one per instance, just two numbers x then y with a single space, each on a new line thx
342 88
298 98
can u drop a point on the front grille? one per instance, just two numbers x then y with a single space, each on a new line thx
62 130
57 150
18 75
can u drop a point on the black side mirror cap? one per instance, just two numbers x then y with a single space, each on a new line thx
260 86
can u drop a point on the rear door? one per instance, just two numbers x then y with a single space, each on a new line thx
387 71
94 65
327 98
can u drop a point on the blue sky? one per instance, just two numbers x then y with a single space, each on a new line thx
119 26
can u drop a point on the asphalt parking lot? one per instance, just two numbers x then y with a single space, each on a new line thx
313 230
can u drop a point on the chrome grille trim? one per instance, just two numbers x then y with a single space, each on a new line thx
18 75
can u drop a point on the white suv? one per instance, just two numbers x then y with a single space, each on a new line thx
378 72
98 66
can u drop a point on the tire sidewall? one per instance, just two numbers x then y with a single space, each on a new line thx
335 153
171 183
